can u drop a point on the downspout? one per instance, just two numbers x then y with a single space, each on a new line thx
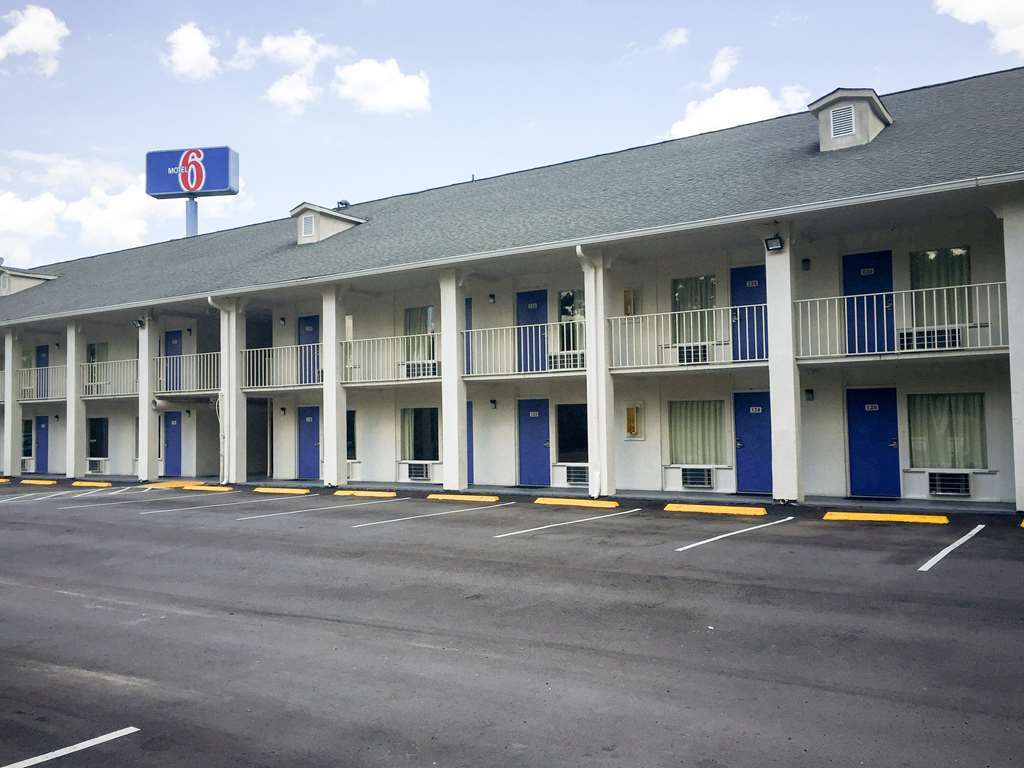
222 435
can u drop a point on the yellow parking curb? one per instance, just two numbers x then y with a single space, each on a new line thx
174 484
460 497
715 509
212 488
595 503
38 482
368 494
886 517
5 480
285 491
91 484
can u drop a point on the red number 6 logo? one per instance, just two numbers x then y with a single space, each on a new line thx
191 172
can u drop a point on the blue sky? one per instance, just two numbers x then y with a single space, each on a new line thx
369 98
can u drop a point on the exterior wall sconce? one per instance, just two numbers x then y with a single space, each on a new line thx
809 395
805 265
188 331
774 243
491 298
494 405
282 321
188 414
140 323
283 410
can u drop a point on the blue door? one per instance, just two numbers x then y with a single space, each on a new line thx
534 443
172 366
469 441
42 444
749 323
309 442
873 427
753 442
172 443
309 357
532 337
42 374
869 315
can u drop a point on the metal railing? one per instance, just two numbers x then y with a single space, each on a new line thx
110 378
48 383
391 358
199 372
693 337
964 317
524 349
288 367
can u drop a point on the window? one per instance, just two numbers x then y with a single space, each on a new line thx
942 268
631 304
635 421
96 352
689 294
571 311
841 119
350 435
572 433
26 438
947 431
98 439
419 321
307 225
696 432
419 434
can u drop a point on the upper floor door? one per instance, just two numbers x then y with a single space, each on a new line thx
532 332
748 294
867 281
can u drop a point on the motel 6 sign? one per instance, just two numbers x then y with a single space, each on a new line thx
192 172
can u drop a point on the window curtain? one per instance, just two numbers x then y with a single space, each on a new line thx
947 431
692 293
696 436
571 311
419 321
408 434
944 268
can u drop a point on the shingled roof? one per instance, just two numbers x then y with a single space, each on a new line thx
945 133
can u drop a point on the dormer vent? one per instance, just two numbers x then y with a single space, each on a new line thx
849 117
316 223
307 224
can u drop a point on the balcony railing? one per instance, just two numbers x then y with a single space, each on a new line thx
41 383
112 378
693 337
391 359
187 374
958 318
525 349
282 367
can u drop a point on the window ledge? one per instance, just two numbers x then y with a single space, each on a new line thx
923 471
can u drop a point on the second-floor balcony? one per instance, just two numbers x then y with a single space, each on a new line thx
545 348
187 374
964 318
290 367
49 383
696 337
391 359
112 378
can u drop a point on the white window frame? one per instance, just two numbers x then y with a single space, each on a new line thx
311 219
641 431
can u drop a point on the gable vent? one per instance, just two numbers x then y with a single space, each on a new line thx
842 121
307 225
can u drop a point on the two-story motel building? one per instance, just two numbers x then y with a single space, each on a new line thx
824 304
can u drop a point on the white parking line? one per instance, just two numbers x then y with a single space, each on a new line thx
73 748
21 496
962 540
140 501
567 522
46 496
432 514
733 533
321 509
89 493
207 506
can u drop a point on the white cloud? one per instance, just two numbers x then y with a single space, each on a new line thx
735 106
293 92
300 52
24 222
56 171
380 86
34 31
190 53
115 220
674 38
722 65
1004 19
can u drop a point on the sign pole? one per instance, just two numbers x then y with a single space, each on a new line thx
191 216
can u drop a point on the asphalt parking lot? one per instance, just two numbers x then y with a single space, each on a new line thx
238 629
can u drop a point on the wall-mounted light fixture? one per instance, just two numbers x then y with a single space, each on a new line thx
494 405
809 395
282 321
491 298
56 417
140 323
57 344
805 265
188 414
774 243
188 331
283 410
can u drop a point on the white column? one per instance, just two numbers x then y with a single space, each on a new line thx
12 407
76 440
1013 253
600 388
232 399
335 442
149 425
783 376
453 387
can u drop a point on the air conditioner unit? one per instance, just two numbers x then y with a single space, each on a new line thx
420 369
945 337
96 466
566 361
577 475
949 483
419 471
698 477
693 353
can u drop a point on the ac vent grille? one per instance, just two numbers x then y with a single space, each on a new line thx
949 483
577 475
842 121
419 471
698 477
